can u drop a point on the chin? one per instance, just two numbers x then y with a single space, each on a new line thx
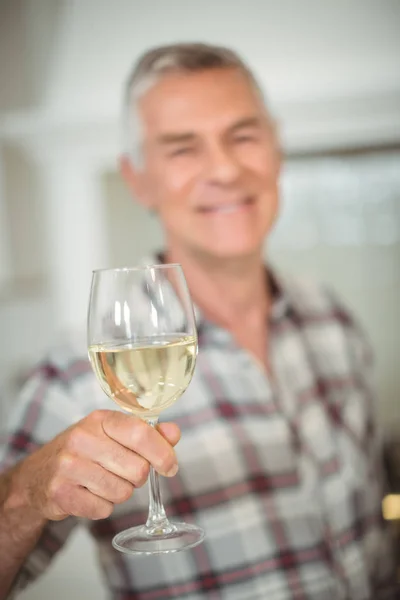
235 253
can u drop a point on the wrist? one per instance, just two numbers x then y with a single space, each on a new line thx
16 498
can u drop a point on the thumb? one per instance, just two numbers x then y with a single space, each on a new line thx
170 431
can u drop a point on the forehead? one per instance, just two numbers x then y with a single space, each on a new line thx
199 101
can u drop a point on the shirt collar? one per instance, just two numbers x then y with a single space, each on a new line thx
276 282
279 294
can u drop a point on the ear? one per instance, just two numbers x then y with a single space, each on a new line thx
134 178
275 125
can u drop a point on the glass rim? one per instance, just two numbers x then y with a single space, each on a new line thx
137 268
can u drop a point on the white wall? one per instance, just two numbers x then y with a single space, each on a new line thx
331 68
331 72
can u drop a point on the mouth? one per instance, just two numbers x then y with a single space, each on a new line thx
228 208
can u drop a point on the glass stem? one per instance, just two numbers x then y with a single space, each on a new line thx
157 522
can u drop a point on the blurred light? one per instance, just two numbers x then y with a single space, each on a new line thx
391 507
117 313
127 319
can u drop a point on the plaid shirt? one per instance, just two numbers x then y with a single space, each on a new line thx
282 472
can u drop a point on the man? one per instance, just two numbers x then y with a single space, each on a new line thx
279 457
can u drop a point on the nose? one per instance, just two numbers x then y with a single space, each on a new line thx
222 166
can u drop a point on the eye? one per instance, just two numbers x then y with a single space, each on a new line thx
243 139
184 150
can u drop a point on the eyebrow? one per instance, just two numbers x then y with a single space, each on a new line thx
169 139
248 122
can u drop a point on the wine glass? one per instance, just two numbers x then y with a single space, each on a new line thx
142 343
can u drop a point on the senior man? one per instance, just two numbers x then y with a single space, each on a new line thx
279 457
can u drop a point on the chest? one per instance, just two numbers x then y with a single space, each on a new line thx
244 431
264 469
253 339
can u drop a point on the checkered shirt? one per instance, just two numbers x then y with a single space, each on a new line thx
283 472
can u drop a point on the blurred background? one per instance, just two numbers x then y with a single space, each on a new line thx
331 71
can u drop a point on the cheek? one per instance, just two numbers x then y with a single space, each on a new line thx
174 187
180 175
262 163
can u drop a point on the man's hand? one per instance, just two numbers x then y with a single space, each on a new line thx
93 465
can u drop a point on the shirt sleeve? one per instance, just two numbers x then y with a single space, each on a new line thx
46 406
374 532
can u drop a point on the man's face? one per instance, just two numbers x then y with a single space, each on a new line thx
210 164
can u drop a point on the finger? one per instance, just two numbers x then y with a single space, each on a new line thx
135 434
96 479
80 502
170 431
109 454
124 463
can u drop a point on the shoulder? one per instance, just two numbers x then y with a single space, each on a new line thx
321 312
64 360
54 394
310 299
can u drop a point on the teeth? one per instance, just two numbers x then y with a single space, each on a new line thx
228 209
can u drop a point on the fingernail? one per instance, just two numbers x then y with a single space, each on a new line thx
173 471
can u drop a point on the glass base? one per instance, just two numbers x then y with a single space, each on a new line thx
168 538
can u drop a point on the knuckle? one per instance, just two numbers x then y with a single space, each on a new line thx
75 439
141 434
110 418
99 415
115 423
66 462
102 480
58 491
119 456
113 489
110 487
84 504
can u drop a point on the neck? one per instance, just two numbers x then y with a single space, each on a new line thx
227 292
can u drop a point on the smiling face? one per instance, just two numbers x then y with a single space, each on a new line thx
210 164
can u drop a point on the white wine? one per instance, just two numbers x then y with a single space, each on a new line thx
145 377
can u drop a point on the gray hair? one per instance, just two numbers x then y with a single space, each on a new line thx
160 61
